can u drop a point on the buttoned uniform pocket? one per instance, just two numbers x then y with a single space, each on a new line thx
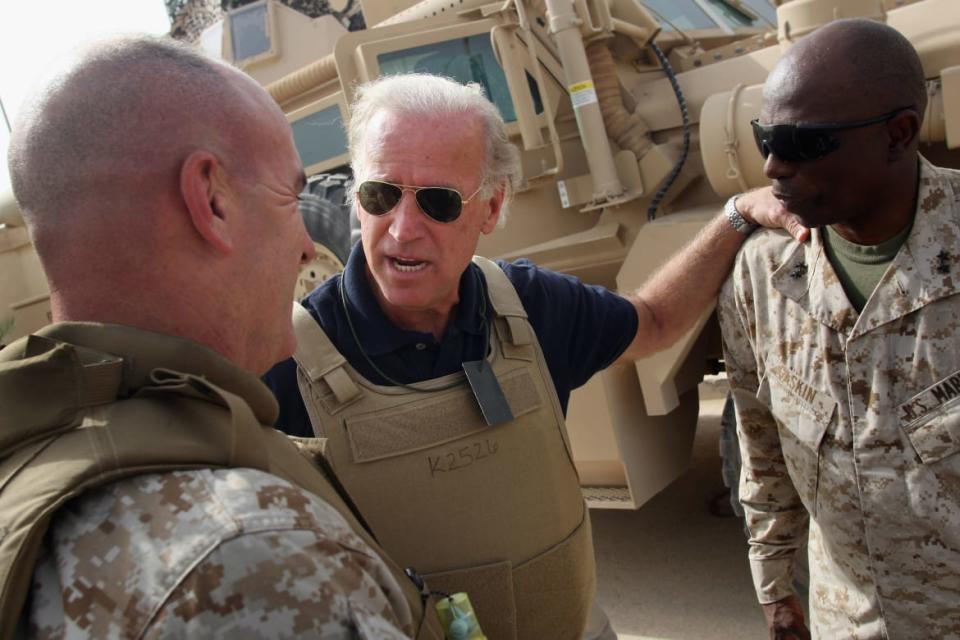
933 480
803 416
935 434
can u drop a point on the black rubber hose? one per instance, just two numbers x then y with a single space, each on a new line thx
667 69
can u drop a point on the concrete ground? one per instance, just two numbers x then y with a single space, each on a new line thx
670 570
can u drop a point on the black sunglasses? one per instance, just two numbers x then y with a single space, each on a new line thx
803 142
439 203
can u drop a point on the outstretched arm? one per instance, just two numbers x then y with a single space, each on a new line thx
675 296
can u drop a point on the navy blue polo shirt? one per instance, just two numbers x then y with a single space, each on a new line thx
581 328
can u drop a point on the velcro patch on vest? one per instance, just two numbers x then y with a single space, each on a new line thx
933 398
440 418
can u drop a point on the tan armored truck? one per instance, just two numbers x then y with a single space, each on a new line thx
24 294
633 121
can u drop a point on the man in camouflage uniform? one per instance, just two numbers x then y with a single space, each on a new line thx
161 191
842 352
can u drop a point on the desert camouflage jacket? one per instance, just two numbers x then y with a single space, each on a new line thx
234 552
208 554
854 419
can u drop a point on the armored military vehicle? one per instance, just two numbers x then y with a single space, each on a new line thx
24 298
632 117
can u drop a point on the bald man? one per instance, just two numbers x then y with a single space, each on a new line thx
842 352
143 493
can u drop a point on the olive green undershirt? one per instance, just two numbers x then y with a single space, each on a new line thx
860 267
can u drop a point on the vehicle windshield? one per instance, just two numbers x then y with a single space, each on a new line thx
465 60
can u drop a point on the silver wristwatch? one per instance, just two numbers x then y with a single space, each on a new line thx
737 221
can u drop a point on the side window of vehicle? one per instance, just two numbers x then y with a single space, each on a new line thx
251 33
764 9
705 14
680 14
320 135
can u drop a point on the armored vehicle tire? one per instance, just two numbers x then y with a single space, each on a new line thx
730 455
326 215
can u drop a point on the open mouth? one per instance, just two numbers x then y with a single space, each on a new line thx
405 265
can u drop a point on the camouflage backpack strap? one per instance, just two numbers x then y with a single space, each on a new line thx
516 334
320 361
97 439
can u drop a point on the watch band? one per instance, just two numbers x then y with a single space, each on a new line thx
737 221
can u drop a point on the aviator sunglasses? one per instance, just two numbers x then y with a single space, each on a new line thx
439 203
802 142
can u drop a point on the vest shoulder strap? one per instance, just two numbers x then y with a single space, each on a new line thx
506 303
319 359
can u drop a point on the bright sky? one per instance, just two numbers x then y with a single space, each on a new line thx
33 34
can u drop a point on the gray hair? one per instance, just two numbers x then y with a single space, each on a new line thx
429 95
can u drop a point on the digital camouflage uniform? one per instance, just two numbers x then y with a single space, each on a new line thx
202 552
854 420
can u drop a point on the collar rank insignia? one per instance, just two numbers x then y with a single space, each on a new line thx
943 262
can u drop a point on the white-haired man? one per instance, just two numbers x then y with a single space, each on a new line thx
470 483
144 494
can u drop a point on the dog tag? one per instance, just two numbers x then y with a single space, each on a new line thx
487 391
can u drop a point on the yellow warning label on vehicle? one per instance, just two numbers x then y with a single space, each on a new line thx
582 94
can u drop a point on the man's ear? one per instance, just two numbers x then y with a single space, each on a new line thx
903 130
202 188
495 202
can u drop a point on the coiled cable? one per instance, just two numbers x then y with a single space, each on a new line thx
685 151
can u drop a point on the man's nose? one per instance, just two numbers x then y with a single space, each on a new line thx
406 219
775 168
308 250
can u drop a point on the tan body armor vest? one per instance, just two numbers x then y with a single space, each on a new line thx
181 421
493 511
